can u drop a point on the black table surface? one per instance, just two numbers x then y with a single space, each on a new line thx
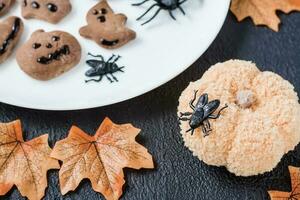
177 174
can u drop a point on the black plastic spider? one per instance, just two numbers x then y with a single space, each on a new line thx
169 5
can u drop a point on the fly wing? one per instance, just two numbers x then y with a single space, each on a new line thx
94 63
203 100
210 108
96 69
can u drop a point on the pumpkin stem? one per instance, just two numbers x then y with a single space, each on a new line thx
245 98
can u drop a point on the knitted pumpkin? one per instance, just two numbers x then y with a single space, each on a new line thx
260 125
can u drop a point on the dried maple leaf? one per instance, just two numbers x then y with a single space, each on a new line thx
100 158
263 12
295 193
24 164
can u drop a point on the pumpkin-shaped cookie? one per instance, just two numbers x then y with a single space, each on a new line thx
11 30
47 10
47 55
259 126
5 6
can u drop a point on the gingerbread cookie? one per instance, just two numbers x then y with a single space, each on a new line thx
48 10
11 30
49 54
5 6
106 28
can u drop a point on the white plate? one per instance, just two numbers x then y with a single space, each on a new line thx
163 49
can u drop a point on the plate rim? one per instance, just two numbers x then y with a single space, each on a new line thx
137 94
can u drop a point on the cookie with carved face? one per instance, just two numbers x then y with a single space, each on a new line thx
48 10
11 30
107 28
5 6
47 55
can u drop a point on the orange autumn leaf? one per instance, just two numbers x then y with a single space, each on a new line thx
295 192
100 158
263 12
24 164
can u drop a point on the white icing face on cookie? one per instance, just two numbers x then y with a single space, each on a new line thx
48 10
48 54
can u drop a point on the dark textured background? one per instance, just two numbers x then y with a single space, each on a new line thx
179 175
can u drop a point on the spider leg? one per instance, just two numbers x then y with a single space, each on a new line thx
171 14
141 3
111 58
206 128
204 131
121 69
95 80
183 1
207 125
117 58
152 17
191 130
96 56
115 78
181 9
145 13
219 113
193 100
184 119
185 114
111 81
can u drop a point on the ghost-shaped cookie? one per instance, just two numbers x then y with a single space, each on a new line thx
11 30
48 10
47 55
5 6
107 28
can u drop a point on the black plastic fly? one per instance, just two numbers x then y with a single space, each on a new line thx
102 68
168 5
202 112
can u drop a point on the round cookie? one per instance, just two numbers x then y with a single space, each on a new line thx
106 28
5 6
11 30
47 55
48 10
259 126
